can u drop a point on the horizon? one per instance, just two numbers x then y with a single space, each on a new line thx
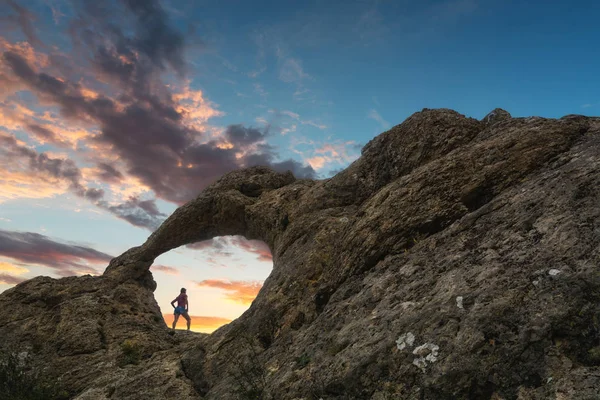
114 114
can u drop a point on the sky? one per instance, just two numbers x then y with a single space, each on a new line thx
114 113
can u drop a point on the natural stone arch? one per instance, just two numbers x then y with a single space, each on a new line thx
229 207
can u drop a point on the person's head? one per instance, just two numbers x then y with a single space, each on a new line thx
182 290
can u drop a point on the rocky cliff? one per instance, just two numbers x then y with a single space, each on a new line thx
455 259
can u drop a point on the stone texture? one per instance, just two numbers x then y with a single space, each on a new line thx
438 208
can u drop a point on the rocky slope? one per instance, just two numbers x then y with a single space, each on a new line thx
455 259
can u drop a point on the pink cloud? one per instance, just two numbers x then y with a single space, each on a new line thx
165 269
243 292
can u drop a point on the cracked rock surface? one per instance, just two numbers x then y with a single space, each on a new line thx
362 302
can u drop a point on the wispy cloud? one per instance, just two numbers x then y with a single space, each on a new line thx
260 90
243 292
315 124
257 72
296 116
25 19
223 245
63 258
165 269
333 154
374 115
291 71
291 114
590 105
8 279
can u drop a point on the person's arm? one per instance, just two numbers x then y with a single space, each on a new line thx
187 306
173 305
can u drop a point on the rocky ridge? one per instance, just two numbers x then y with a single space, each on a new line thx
455 259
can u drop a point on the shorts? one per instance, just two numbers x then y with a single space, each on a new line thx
180 310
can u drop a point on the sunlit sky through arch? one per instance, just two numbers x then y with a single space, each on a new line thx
113 113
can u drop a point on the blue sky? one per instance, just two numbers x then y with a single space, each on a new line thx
170 95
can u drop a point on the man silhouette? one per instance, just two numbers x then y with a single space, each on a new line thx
181 309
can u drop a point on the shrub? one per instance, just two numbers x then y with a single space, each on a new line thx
131 353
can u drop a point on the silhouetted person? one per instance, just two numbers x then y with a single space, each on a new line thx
181 309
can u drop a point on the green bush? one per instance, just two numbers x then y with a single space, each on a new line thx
131 353
19 381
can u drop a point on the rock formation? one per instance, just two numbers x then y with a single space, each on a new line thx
455 259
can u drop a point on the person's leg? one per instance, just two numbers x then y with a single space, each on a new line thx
188 319
175 320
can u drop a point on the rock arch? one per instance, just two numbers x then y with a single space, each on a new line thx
231 206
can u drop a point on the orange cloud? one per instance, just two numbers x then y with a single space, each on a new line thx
11 268
44 127
196 110
243 292
317 162
199 323
26 184
25 50
329 153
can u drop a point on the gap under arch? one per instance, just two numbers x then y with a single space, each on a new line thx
222 277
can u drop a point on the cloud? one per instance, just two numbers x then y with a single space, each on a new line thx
141 213
260 90
139 119
243 292
315 124
241 136
257 72
325 155
257 247
288 113
298 169
9 273
295 116
8 279
64 258
299 92
165 269
221 246
291 129
374 115
14 269
25 19
199 323
108 173
291 71
216 243
57 168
